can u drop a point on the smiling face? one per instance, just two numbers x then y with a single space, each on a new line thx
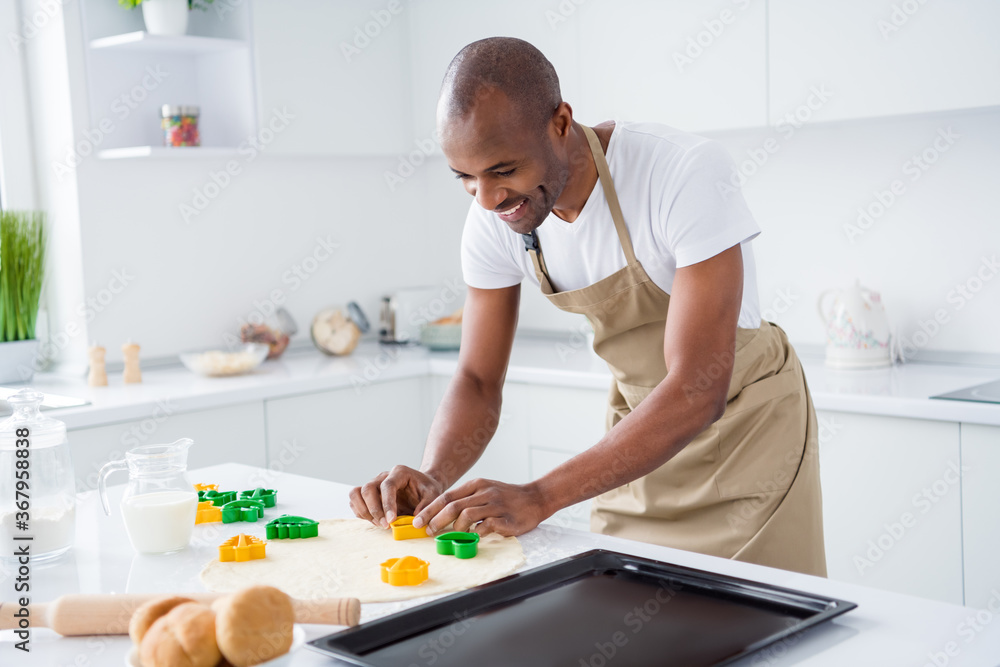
513 166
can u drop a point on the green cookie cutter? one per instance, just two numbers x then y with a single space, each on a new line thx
291 527
218 498
267 496
242 510
458 544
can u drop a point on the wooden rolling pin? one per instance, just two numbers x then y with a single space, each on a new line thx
72 615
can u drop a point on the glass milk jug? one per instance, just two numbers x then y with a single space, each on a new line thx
159 504
37 486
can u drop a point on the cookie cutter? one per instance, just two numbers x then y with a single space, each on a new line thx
291 527
241 548
242 510
267 496
405 571
458 544
217 498
206 487
207 513
402 529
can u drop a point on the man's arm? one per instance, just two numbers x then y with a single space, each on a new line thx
466 419
700 336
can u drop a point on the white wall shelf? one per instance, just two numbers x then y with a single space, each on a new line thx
186 44
165 152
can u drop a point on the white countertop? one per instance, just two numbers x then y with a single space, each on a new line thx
901 391
885 629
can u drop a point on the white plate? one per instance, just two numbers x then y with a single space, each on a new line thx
298 639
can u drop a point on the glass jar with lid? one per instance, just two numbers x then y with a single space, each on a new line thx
37 485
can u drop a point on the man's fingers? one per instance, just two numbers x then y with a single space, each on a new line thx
373 501
493 524
389 488
472 515
453 510
358 505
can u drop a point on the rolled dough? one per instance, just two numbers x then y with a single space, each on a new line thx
344 560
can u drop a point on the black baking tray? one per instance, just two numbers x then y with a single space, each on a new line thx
596 608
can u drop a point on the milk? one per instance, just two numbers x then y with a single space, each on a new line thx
160 522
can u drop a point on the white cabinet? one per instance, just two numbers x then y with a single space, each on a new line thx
702 65
882 58
980 504
892 503
563 422
348 435
506 457
221 435
440 28
341 71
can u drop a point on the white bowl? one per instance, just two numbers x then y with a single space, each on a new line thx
298 639
222 363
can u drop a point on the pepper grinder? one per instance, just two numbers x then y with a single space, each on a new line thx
98 376
130 353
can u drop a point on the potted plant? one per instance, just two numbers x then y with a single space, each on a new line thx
165 17
22 266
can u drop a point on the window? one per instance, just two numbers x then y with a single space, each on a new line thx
17 177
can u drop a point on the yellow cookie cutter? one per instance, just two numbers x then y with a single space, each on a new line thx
402 529
405 571
206 487
241 548
207 513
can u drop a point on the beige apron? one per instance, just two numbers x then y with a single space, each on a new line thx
748 486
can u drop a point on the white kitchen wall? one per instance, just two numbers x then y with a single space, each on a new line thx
189 283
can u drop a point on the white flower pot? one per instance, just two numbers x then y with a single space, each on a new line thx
17 360
165 17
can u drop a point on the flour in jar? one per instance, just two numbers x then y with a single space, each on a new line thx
52 529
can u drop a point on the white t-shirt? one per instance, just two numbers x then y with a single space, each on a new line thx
677 215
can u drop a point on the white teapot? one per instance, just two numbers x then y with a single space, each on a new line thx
858 334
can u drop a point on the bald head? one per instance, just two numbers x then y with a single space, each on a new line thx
504 65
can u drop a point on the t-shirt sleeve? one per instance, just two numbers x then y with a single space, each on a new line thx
486 258
706 213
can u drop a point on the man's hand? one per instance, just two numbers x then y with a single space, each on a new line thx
485 506
402 490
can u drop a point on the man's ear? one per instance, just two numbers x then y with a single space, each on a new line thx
562 120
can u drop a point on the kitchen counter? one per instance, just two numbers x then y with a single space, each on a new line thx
899 391
885 629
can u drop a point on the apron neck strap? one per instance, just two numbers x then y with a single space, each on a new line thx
609 192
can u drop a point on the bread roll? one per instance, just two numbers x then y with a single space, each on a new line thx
184 637
148 613
254 625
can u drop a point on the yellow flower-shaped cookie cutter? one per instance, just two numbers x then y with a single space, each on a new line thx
405 571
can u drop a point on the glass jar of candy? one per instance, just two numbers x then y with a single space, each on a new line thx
180 125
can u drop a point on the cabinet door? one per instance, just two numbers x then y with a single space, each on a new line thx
348 435
882 58
440 28
564 419
575 516
506 456
233 434
892 503
691 64
980 502
340 69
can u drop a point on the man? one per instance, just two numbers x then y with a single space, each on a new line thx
711 443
